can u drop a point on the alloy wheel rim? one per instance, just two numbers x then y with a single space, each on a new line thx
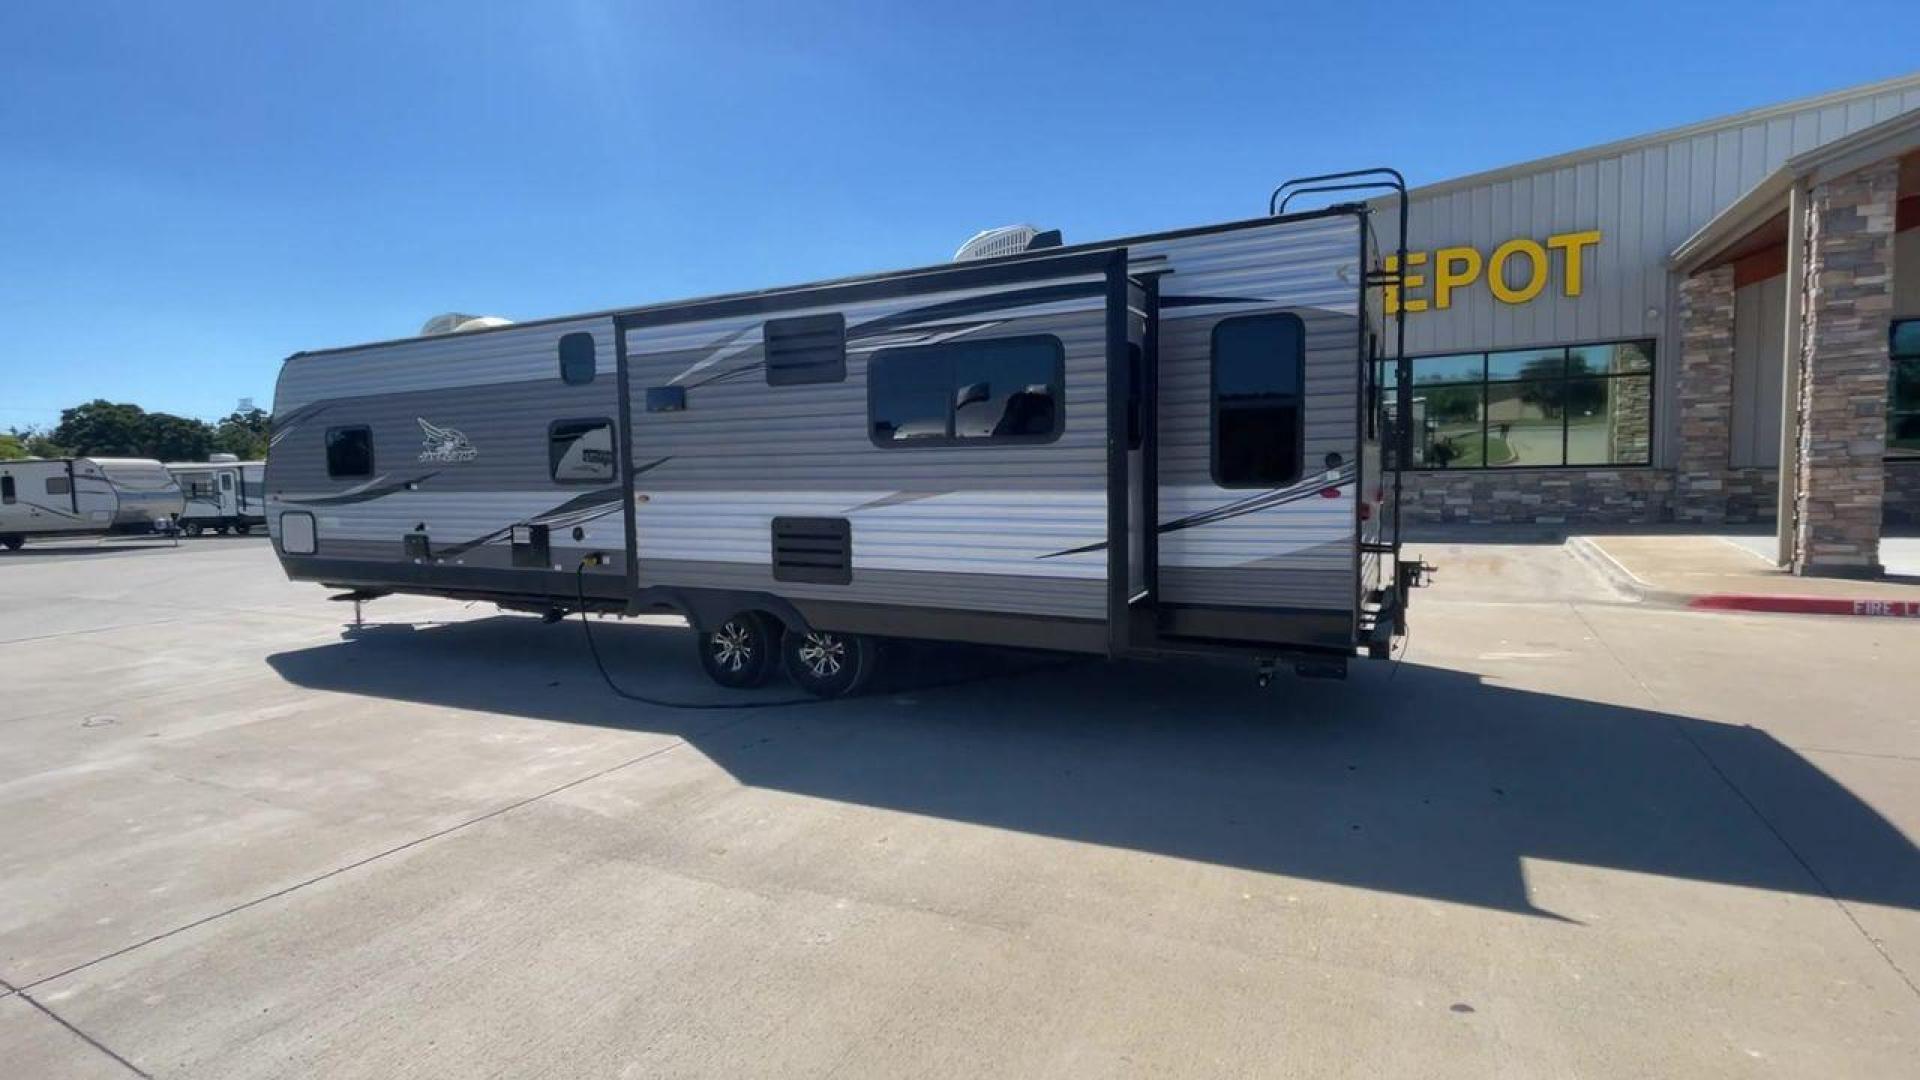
733 646
823 654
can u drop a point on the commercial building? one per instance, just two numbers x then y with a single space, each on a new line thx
1660 329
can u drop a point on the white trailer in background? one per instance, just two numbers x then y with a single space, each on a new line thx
84 497
221 493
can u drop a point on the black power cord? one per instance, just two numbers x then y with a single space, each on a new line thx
580 589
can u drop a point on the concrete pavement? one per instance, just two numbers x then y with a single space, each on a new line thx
1565 836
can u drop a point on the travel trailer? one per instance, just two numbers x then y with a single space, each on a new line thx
56 497
1162 445
221 493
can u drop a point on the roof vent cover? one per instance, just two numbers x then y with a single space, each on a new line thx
456 322
1006 240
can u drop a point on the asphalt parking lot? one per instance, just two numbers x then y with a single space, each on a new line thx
1568 836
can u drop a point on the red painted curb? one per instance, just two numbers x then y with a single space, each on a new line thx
1808 605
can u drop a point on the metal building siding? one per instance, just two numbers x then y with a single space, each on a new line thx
1646 199
1759 336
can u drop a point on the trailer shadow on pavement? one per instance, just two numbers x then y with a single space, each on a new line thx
1427 782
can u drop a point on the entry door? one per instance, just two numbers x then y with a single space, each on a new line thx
229 496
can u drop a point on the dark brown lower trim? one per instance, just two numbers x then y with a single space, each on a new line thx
1279 627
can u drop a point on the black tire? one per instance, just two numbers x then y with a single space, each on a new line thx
243 528
829 664
740 653
221 529
12 543
192 528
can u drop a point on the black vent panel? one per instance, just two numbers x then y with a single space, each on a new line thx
814 550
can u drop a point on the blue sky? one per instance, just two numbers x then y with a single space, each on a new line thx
191 191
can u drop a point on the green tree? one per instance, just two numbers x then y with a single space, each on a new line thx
38 443
102 427
243 434
12 447
175 438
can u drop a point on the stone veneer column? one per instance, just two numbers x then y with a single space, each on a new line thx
1705 397
1841 429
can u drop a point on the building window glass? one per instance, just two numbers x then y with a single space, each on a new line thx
1259 372
1531 408
349 451
580 451
1008 390
1903 391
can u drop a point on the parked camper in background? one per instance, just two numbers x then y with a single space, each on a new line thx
221 493
84 497
1164 445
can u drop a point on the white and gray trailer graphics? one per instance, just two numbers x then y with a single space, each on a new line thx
221 494
1048 449
54 497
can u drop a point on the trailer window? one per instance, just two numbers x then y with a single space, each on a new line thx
577 358
59 485
580 451
960 393
807 349
1259 371
349 451
6 489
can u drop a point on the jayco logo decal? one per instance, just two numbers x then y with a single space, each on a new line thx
444 444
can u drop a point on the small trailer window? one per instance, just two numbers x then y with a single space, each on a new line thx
349 451
807 349
577 358
580 451
1259 373
6 489
59 485
961 393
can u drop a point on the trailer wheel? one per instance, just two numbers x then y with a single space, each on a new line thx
829 665
740 652
12 543
221 529
243 528
192 528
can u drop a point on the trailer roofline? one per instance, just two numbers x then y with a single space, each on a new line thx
1359 210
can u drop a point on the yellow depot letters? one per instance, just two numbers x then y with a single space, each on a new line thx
1454 268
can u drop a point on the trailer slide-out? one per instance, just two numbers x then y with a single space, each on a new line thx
1169 444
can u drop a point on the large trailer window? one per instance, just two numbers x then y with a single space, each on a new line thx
349 451
1259 391
59 485
580 451
806 349
962 393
